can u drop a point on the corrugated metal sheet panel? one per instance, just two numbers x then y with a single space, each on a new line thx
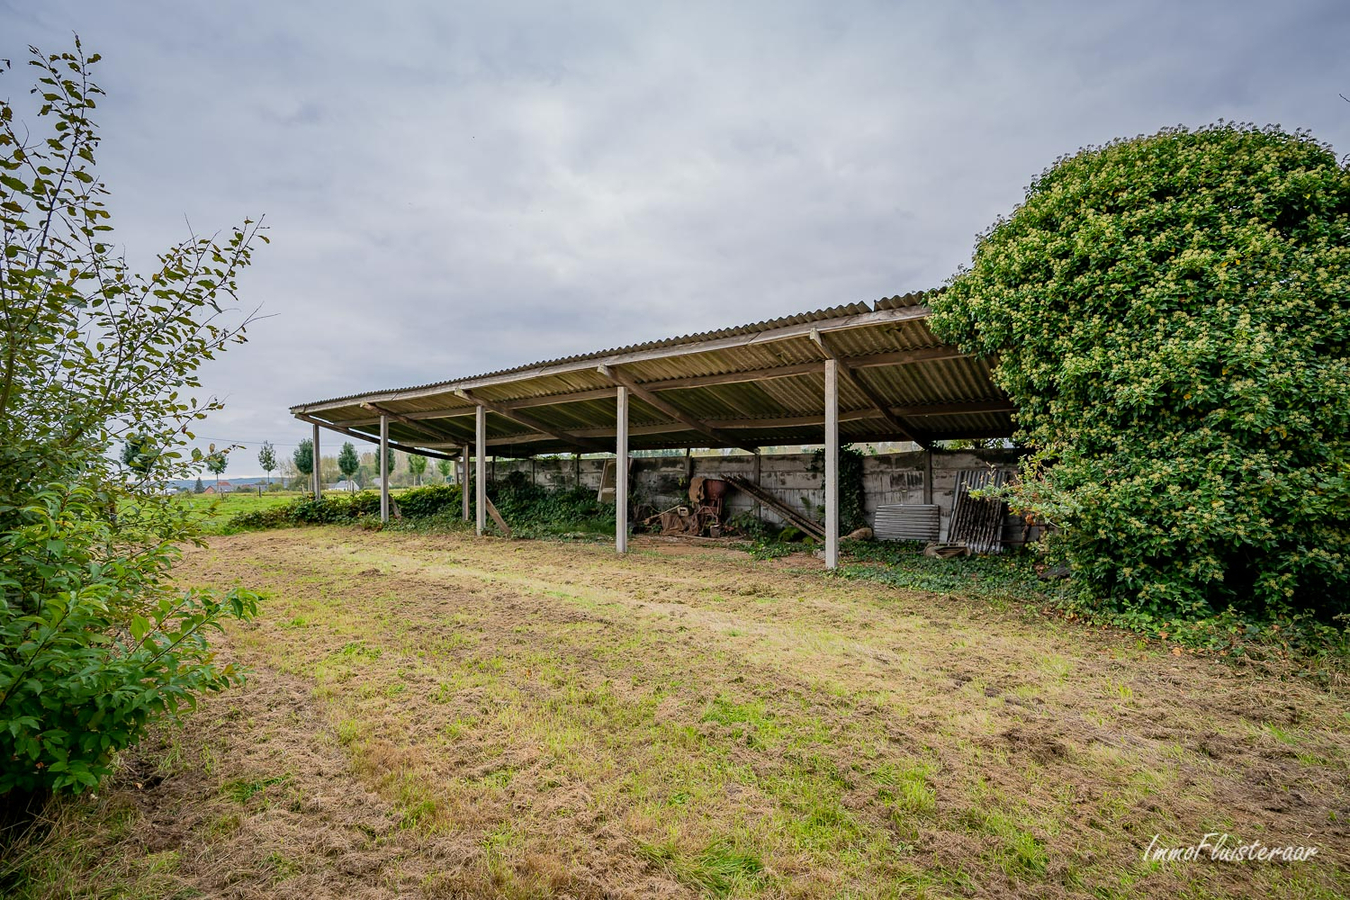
820 315
567 401
908 522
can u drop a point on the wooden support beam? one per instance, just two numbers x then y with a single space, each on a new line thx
384 469
897 423
621 472
431 431
832 463
496 516
847 374
895 358
783 510
534 424
733 425
853 415
374 439
665 408
959 408
744 339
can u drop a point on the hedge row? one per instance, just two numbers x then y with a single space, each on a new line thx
417 502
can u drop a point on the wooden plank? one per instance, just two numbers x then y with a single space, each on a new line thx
896 358
897 423
600 433
374 439
430 431
496 516
755 476
928 476
662 406
786 512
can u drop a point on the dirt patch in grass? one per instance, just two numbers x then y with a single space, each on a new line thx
445 716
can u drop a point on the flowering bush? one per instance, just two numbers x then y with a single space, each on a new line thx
1171 316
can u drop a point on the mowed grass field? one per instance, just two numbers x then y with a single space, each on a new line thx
217 509
444 716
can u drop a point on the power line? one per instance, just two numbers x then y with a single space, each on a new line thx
203 437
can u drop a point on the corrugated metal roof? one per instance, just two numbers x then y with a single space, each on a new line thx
762 383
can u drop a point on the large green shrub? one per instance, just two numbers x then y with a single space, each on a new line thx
429 500
347 508
94 642
531 509
1171 316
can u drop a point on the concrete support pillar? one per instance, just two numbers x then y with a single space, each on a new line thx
621 475
464 481
754 476
384 469
480 472
831 464
316 477
928 476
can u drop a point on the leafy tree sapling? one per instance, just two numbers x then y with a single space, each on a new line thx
267 460
216 463
96 642
303 457
417 467
348 462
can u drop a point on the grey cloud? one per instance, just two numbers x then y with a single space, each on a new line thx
458 188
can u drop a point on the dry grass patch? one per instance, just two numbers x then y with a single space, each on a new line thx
533 720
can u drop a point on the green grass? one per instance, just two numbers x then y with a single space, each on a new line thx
718 870
216 511
242 790
724 728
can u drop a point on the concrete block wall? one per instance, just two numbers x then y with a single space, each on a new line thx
659 481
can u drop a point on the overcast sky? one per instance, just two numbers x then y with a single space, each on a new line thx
454 188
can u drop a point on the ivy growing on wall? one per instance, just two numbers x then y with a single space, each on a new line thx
852 497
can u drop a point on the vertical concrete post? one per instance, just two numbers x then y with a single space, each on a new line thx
480 472
317 474
831 463
754 476
621 474
384 469
928 476
464 481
